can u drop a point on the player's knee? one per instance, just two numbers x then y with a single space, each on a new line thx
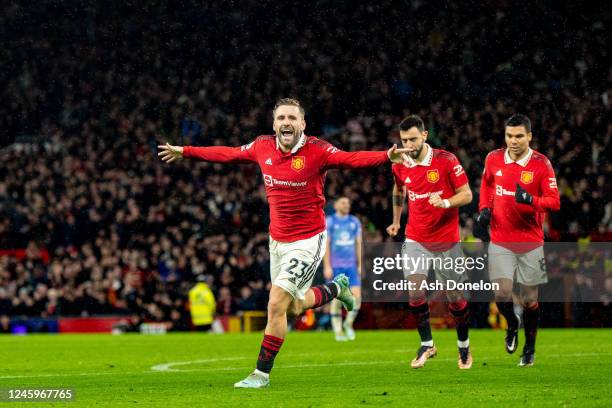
529 296
454 296
276 308
503 295
529 302
417 296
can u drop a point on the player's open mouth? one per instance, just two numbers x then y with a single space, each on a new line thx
287 132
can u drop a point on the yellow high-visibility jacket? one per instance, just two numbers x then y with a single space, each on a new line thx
202 304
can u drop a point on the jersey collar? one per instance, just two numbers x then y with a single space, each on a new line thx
301 142
522 162
425 162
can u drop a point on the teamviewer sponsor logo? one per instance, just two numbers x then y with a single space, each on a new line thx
412 196
500 191
271 182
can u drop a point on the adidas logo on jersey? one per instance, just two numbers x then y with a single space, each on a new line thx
407 180
269 161
499 173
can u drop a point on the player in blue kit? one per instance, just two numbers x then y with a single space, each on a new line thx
343 256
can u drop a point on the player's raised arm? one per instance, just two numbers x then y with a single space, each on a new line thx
336 158
218 154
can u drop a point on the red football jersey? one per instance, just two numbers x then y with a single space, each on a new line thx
439 173
293 180
512 222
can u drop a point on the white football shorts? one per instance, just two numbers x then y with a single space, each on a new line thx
527 268
293 265
440 262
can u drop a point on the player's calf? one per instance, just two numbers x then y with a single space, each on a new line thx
505 306
260 378
335 311
274 335
511 340
420 310
320 295
531 315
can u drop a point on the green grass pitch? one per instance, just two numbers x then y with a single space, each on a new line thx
573 368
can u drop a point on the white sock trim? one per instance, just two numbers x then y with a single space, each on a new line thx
427 343
463 344
265 375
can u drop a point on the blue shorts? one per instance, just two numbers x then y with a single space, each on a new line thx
353 275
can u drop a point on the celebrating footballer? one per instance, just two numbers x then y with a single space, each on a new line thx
293 168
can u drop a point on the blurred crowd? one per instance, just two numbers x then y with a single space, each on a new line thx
92 88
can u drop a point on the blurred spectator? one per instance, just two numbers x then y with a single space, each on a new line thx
178 321
247 300
225 302
5 324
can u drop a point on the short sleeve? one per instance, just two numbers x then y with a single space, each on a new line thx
457 174
397 178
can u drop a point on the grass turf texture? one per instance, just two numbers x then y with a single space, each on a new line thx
573 368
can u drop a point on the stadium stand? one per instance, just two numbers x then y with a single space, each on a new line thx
92 223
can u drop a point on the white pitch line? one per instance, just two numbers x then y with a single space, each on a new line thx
168 366
159 367
203 369
158 370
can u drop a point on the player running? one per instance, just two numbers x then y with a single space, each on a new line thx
343 257
518 188
293 168
436 185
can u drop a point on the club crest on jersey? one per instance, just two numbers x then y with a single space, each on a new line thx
526 177
433 176
298 163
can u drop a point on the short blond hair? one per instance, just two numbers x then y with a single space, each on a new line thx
290 102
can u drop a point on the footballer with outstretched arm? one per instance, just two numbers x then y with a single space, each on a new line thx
293 167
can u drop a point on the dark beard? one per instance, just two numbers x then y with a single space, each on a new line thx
417 153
